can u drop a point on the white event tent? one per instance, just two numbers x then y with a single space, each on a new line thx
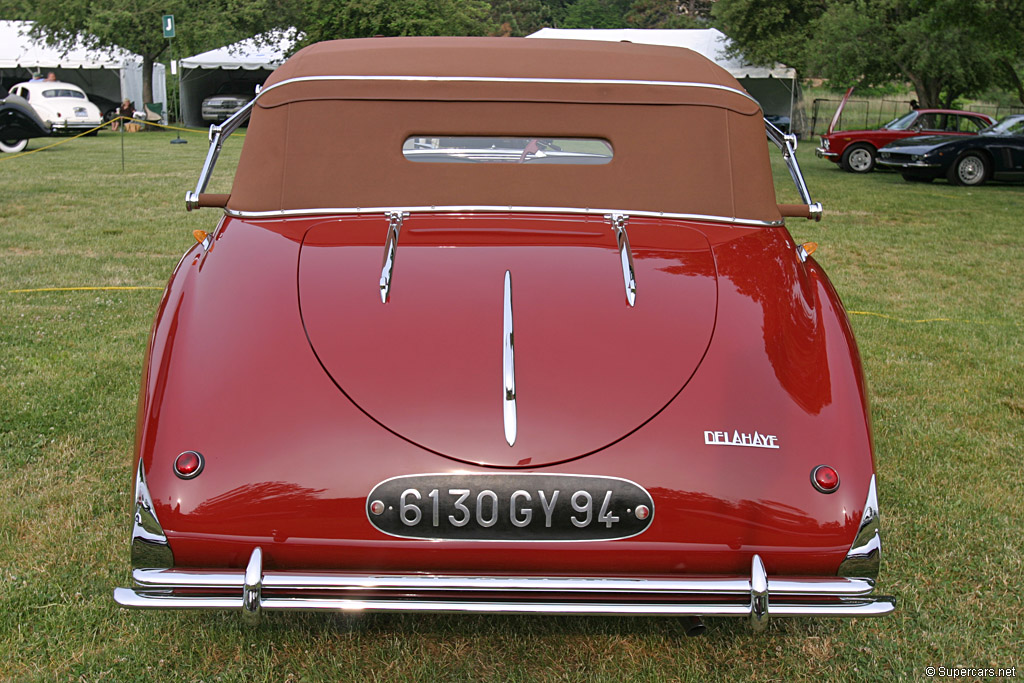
112 74
775 88
249 61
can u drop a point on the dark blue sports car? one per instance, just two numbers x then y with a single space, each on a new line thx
996 153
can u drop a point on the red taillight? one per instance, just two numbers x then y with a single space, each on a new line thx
188 464
825 478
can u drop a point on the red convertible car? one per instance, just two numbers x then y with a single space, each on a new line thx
857 150
504 326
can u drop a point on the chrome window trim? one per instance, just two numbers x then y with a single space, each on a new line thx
289 213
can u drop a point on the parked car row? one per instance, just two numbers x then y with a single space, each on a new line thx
968 148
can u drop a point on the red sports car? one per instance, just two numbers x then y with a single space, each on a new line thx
856 150
501 325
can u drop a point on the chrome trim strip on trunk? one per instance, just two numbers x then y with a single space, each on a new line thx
508 366
387 268
735 596
469 208
619 221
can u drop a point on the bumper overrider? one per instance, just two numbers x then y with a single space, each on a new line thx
756 596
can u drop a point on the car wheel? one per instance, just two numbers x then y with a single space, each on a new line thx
858 158
969 169
916 178
13 146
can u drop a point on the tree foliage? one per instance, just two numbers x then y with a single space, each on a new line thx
136 27
331 19
945 48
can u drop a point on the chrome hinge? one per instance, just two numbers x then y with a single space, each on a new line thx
618 221
395 219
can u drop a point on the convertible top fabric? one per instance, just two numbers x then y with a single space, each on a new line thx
328 128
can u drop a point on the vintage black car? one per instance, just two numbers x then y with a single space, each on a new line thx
18 122
997 153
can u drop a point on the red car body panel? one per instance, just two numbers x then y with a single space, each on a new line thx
224 367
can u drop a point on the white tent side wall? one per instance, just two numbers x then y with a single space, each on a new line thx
251 60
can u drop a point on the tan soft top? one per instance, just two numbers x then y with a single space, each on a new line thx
327 130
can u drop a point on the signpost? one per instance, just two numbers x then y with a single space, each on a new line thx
167 23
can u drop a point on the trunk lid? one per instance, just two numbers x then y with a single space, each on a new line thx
428 364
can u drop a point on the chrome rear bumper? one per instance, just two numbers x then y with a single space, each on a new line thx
254 590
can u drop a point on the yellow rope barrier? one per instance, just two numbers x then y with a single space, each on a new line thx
934 320
76 289
867 313
127 119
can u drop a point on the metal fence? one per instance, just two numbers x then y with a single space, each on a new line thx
871 114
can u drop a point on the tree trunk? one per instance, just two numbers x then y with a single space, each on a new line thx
147 81
1013 77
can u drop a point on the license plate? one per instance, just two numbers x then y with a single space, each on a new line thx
510 507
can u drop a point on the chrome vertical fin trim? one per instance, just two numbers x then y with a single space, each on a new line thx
252 590
508 367
150 549
395 219
864 557
619 221
758 594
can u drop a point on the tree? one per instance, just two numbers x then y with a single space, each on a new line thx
523 17
669 14
596 14
1006 26
331 19
136 26
944 48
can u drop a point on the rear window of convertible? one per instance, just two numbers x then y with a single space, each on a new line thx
506 150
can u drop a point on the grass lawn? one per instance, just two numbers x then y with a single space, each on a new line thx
948 405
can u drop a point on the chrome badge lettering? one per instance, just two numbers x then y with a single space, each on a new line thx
737 438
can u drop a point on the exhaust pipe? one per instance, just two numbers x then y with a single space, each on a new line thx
693 626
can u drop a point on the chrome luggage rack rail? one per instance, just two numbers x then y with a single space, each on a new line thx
255 590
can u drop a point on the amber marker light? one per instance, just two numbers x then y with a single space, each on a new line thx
200 235
825 478
189 464
808 247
